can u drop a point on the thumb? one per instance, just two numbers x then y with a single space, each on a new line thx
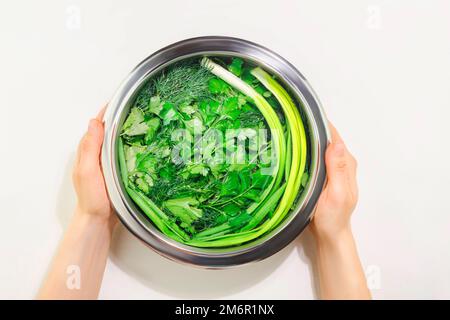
90 146
336 160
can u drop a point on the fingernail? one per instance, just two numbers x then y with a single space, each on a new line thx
339 149
92 125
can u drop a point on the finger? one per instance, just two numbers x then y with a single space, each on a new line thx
335 136
336 160
353 174
341 165
99 117
101 113
90 147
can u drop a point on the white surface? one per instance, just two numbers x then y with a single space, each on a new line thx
381 69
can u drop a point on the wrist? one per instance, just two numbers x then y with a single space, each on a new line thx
88 219
334 239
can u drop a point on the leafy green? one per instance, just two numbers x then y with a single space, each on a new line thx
168 113
144 182
236 66
135 124
216 85
183 83
184 209
152 127
192 157
154 105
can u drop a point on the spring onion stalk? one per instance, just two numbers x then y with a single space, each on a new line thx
151 214
269 206
295 158
185 205
298 140
197 241
287 167
269 114
280 147
122 163
150 209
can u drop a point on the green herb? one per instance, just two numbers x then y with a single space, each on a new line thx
236 66
192 157
183 83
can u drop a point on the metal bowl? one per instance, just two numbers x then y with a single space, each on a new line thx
136 221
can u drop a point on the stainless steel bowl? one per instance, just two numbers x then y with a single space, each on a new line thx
136 221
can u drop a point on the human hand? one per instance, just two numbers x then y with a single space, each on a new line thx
340 271
88 177
88 236
340 195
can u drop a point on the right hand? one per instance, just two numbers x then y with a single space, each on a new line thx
340 195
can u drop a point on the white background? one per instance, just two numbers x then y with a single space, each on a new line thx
380 68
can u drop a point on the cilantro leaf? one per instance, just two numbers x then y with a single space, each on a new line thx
168 113
216 85
185 209
230 185
155 105
152 127
134 125
236 66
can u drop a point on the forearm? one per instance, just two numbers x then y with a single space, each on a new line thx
78 267
340 272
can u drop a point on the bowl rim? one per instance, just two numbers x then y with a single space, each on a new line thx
132 217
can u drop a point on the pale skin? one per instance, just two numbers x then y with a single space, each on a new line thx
341 275
87 240
88 237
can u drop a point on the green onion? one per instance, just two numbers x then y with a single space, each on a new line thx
208 204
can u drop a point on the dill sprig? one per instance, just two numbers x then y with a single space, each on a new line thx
183 83
143 98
